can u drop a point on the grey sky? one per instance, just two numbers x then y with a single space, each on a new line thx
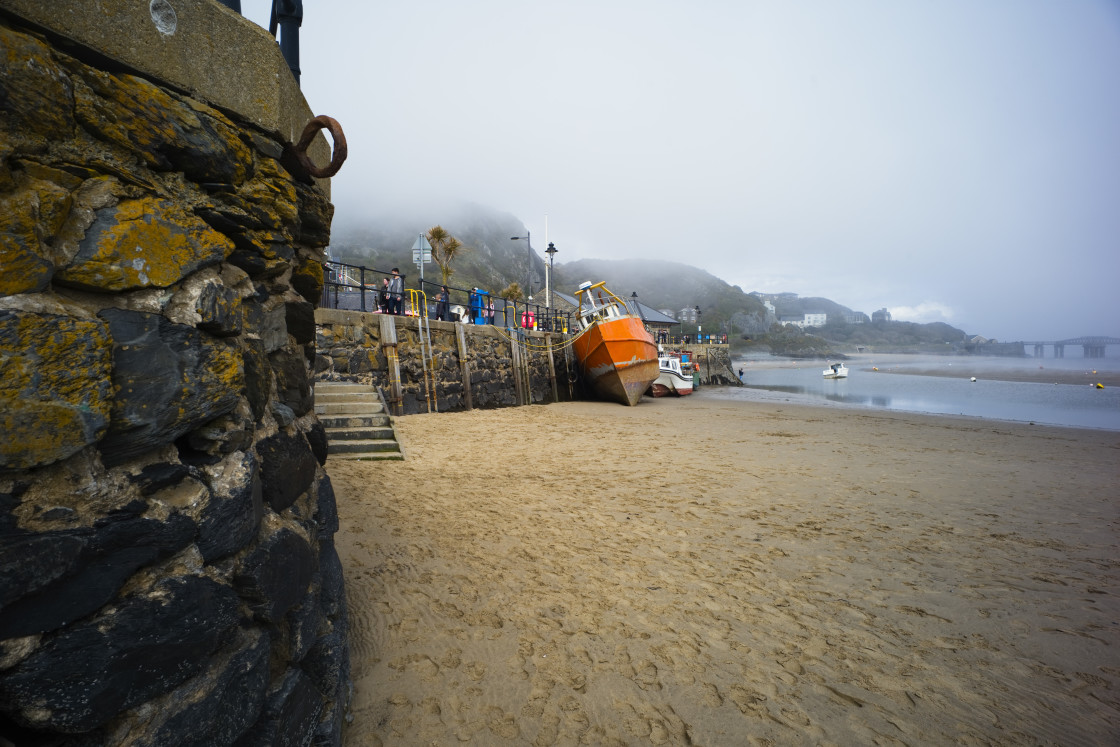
950 160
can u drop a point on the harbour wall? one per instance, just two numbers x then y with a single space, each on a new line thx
472 366
167 566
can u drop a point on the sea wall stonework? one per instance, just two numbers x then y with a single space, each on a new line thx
167 566
496 366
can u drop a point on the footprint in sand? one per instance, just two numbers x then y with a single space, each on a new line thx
501 723
422 665
749 702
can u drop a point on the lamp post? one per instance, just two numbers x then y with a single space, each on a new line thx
528 262
697 308
551 252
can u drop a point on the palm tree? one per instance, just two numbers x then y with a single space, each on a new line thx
511 292
444 248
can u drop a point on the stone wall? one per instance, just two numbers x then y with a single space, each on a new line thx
167 568
713 365
496 366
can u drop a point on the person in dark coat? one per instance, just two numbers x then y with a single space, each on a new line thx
443 305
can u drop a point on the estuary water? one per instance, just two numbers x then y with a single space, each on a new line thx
951 391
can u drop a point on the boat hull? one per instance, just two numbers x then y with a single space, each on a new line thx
618 359
670 382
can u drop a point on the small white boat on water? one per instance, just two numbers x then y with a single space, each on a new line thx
836 371
671 378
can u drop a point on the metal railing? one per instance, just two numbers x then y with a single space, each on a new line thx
353 287
472 307
359 288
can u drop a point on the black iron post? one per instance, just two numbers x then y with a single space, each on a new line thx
288 14
529 262
550 251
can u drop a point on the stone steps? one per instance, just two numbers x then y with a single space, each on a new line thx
356 423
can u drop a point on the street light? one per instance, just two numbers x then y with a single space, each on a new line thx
551 252
528 262
637 306
697 324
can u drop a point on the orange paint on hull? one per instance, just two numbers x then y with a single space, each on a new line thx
618 358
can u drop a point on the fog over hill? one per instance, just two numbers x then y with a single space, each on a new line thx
492 260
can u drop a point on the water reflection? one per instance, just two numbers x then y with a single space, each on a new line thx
1055 404
873 400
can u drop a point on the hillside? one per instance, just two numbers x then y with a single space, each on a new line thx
674 286
492 260
489 258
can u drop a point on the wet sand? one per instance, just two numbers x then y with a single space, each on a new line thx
709 572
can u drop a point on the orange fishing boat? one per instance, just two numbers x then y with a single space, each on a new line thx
615 351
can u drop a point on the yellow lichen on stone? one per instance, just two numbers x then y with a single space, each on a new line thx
55 392
165 131
24 268
35 91
144 243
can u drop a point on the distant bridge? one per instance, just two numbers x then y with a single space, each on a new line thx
1092 346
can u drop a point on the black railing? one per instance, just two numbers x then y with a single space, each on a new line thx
359 288
352 287
470 306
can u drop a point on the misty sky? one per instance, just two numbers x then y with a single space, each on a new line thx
956 160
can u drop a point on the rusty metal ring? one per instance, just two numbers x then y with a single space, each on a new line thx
322 122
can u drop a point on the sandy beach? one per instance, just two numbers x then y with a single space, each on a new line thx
711 572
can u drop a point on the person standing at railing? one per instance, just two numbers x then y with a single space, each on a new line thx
383 296
443 304
396 293
490 311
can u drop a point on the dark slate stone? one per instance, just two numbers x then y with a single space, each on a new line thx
156 477
282 414
229 521
304 622
315 214
332 589
287 468
21 736
224 221
223 435
317 437
9 500
290 715
326 508
150 643
275 576
219 705
300 316
251 262
31 562
66 575
258 376
169 378
292 386
220 309
266 146
326 663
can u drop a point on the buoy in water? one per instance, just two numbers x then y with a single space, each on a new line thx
973 379
1100 385
874 369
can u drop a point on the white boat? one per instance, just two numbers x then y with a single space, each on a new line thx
836 371
671 378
